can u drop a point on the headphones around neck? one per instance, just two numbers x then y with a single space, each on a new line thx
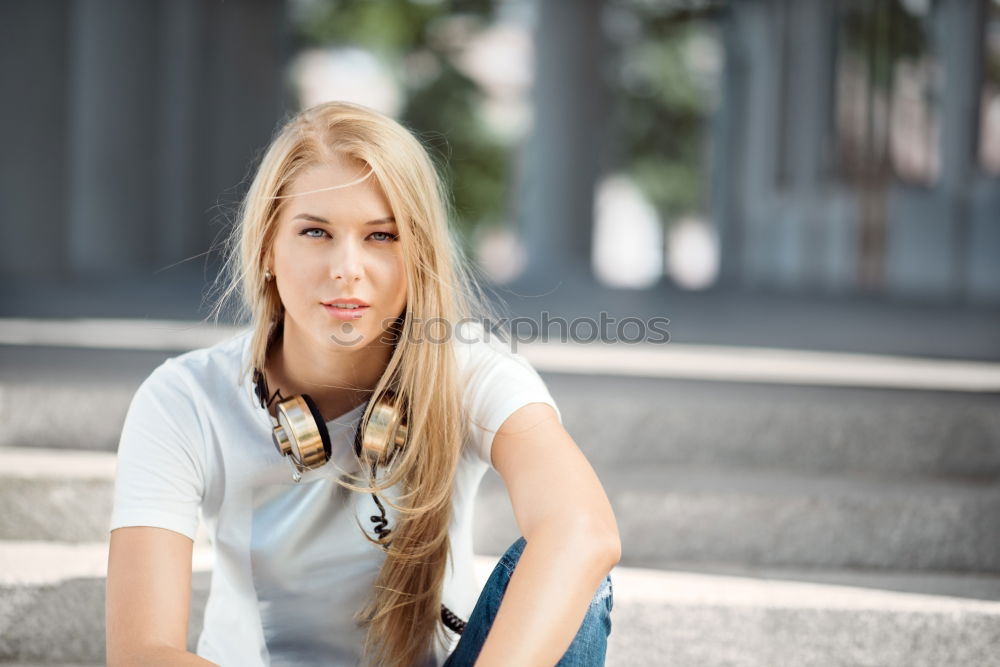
300 435
299 430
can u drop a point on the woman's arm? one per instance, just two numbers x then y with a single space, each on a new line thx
148 596
546 600
571 539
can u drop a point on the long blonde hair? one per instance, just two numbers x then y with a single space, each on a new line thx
403 615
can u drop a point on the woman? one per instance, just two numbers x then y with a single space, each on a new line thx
358 298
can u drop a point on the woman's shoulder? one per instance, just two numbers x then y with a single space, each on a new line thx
479 346
497 380
474 339
491 367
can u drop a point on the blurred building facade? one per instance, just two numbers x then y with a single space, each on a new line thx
857 147
854 150
127 126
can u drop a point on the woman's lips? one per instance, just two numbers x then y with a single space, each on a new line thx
346 313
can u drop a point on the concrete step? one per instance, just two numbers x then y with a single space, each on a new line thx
689 619
644 421
72 398
666 514
46 585
659 617
672 514
76 398
52 494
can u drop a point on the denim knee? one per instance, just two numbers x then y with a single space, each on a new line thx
513 554
604 594
590 645
599 612
601 604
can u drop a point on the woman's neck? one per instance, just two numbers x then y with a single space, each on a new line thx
337 381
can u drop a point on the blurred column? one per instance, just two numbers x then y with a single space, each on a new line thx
982 265
33 135
757 39
729 147
244 97
929 240
565 149
113 111
180 184
815 261
135 128
960 36
222 72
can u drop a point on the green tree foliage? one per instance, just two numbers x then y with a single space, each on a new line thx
441 105
664 104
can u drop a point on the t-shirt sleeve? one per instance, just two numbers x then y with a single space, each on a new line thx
159 479
498 381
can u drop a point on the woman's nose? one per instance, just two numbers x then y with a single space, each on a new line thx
347 260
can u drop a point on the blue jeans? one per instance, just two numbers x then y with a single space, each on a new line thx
588 647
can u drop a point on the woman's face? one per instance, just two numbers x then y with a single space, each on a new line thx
338 244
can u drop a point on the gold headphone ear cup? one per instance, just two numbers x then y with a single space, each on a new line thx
301 433
320 425
385 434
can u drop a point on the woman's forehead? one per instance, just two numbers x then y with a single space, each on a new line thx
336 174
332 188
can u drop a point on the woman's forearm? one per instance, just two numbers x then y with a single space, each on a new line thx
547 598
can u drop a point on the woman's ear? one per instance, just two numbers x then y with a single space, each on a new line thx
268 264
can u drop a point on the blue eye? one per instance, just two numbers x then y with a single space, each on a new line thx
387 237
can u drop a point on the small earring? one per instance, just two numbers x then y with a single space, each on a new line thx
268 275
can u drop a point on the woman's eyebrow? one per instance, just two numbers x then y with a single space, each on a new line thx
324 221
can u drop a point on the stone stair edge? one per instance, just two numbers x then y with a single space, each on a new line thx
773 480
678 360
71 464
53 463
630 584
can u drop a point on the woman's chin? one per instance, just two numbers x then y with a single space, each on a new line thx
348 337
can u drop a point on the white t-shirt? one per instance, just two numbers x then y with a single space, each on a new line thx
291 565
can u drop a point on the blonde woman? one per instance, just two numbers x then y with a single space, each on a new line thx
359 299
